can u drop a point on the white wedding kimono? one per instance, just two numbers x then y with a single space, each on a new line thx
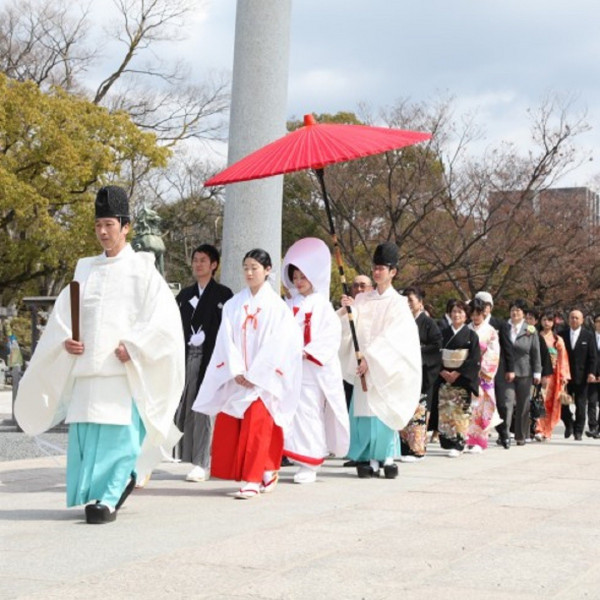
259 339
388 338
125 300
320 425
322 405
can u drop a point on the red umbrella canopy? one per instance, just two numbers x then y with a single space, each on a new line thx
314 146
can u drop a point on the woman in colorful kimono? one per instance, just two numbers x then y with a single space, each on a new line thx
459 380
320 425
252 382
556 382
483 407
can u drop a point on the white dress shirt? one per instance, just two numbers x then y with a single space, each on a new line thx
575 336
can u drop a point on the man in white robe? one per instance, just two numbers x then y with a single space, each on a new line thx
121 382
388 339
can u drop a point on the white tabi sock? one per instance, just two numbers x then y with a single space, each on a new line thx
250 485
374 465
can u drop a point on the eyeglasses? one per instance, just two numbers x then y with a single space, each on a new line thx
360 285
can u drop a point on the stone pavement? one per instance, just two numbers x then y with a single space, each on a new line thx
514 524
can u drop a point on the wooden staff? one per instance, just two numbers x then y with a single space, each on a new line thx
340 264
74 292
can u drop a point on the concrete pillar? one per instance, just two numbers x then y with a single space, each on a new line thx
258 116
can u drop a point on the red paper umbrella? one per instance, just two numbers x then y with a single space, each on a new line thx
315 146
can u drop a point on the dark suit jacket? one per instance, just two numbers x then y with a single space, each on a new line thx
547 369
431 344
207 315
597 357
442 323
582 358
507 353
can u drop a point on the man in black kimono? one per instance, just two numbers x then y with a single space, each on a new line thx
201 306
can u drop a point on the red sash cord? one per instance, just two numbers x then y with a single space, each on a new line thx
307 317
252 319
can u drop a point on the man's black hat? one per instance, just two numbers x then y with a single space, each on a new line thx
111 201
386 254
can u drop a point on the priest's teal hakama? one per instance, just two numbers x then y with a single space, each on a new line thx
371 439
101 460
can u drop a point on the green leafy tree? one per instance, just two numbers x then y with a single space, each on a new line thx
56 149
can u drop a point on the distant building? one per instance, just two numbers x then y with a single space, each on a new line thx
554 206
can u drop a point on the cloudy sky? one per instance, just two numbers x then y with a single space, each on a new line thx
496 58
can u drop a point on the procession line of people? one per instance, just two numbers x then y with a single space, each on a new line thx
252 378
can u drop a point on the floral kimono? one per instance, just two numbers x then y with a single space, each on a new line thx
484 405
556 383
460 352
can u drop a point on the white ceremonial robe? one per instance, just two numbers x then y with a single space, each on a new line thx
259 339
123 299
321 383
388 338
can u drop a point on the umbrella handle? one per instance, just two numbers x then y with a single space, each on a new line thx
357 352
74 293
340 265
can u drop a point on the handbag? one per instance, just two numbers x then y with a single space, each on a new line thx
565 398
538 402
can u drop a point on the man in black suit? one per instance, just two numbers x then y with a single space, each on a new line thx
506 368
594 389
201 306
445 321
581 350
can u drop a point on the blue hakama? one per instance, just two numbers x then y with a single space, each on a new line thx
101 460
371 439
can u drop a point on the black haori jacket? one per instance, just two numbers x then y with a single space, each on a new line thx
206 315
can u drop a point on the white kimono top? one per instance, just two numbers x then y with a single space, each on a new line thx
388 338
259 339
123 299
321 330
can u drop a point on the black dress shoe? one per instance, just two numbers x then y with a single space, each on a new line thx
96 514
577 437
350 463
128 489
286 462
505 443
520 442
390 471
592 434
365 471
568 432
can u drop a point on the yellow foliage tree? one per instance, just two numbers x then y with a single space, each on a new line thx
56 150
